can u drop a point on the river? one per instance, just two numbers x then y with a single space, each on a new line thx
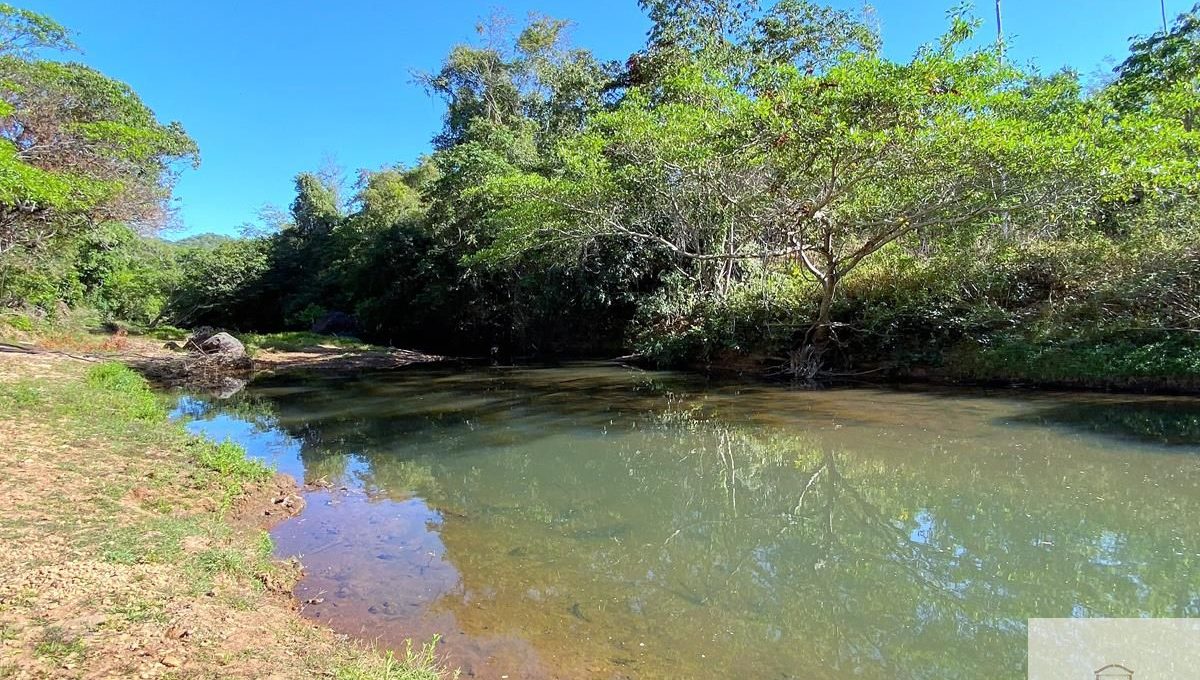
594 521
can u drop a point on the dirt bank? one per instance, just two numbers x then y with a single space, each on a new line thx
153 359
134 550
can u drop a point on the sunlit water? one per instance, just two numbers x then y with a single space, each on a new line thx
600 522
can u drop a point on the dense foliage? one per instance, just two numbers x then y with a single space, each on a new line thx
79 153
758 183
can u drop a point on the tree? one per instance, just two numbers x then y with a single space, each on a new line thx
125 276
76 148
315 210
22 32
219 285
741 37
819 169
1159 65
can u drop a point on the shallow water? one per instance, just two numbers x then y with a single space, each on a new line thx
598 522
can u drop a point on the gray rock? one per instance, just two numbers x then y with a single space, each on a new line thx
223 344
199 335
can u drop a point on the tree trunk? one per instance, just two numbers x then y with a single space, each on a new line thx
807 362
822 330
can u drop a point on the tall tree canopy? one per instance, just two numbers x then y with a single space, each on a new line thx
757 181
76 147
823 168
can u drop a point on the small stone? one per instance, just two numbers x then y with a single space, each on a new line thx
172 661
177 632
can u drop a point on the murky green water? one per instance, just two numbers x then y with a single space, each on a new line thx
599 522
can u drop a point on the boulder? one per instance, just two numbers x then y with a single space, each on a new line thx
336 323
200 334
224 344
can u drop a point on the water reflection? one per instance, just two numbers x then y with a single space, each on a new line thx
594 522
1174 422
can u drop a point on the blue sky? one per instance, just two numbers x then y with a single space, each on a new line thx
269 88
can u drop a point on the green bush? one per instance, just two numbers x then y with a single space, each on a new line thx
19 322
1095 361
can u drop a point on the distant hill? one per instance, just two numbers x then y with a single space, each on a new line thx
202 241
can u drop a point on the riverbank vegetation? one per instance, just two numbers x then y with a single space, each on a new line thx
124 557
758 187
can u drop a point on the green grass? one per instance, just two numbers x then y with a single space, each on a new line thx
111 411
223 561
19 395
415 663
80 322
230 462
164 333
58 646
155 540
293 341
234 470
140 611
265 546
126 391
18 321
114 397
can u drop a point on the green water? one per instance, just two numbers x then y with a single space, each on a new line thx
599 522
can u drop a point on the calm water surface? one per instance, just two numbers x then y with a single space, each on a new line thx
598 522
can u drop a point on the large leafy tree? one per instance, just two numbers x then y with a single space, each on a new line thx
820 169
744 36
510 100
76 148
1162 69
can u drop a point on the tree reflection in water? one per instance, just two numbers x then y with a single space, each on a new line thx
590 522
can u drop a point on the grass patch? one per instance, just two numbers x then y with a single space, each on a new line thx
415 663
18 321
225 561
127 392
74 330
294 341
19 395
1081 360
231 562
234 469
153 541
115 396
58 646
229 460
165 333
265 546
140 611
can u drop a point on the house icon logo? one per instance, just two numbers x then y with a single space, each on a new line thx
1114 671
